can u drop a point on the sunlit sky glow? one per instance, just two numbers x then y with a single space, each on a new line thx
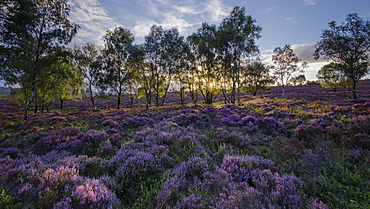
295 22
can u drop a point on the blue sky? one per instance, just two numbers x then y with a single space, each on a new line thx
295 22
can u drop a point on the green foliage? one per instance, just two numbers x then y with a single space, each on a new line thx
115 73
85 60
33 32
7 201
298 80
340 187
348 44
163 53
308 82
236 38
203 44
332 76
148 191
285 62
256 78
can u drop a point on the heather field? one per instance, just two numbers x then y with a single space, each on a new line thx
308 150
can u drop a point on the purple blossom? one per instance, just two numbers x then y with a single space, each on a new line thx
93 194
63 204
272 125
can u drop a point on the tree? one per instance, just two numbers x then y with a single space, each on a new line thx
285 62
30 32
153 57
183 73
256 78
298 80
69 83
115 71
144 77
204 45
86 60
173 52
236 41
332 75
347 44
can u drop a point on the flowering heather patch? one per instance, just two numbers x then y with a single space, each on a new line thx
309 150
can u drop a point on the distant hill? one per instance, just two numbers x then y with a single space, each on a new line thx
4 91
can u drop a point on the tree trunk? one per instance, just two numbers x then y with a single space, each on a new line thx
30 101
118 102
61 104
132 102
283 93
354 92
36 109
92 96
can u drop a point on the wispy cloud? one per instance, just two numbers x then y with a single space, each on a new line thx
139 16
303 52
92 17
292 20
269 9
217 10
309 2
184 15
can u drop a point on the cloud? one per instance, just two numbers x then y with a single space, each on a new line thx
269 9
312 70
309 2
292 20
139 16
142 27
184 15
305 52
217 10
92 17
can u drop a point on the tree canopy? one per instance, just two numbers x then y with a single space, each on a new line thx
332 75
348 44
33 34
285 61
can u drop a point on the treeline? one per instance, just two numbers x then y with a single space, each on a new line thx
216 60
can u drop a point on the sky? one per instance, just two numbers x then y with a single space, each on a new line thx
296 22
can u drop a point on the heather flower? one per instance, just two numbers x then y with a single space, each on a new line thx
231 120
355 153
93 194
136 121
249 119
195 119
63 204
170 191
316 204
192 201
11 151
188 143
271 124
319 122
24 188
192 169
361 140
92 141
55 183
210 109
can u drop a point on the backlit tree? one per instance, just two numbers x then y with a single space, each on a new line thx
348 44
31 31
286 64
